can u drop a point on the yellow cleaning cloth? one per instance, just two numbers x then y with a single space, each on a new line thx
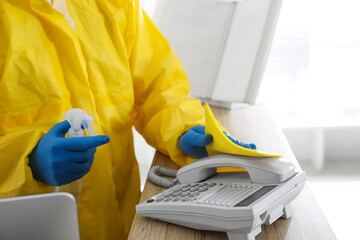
222 144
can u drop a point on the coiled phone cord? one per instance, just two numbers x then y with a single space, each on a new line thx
161 181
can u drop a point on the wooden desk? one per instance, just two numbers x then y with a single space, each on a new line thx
250 124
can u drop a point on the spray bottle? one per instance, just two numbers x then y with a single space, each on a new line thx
79 121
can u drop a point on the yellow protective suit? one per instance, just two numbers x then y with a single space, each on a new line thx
117 67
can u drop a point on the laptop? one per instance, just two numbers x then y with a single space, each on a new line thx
51 216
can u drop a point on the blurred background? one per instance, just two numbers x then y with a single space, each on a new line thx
311 86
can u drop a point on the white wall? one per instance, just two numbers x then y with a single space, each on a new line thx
144 154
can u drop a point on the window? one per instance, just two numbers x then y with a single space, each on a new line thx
312 76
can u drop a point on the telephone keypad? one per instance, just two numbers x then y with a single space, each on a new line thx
224 195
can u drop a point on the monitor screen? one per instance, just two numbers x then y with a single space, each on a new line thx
222 44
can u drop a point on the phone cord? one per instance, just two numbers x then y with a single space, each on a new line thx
161 181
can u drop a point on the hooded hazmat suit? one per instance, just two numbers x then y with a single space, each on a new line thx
117 67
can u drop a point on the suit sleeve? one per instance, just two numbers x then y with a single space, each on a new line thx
22 124
163 111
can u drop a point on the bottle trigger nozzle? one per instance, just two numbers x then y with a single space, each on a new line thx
79 121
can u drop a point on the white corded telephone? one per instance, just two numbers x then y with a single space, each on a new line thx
234 202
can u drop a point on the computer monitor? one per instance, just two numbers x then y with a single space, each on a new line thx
222 44
41 217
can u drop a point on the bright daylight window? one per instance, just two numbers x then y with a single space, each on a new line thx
313 76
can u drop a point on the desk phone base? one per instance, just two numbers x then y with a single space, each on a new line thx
227 202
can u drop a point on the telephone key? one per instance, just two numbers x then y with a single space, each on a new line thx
211 184
169 190
203 189
194 194
150 200
194 189
202 184
194 185
159 199
176 194
185 200
177 190
185 185
167 195
185 189
167 199
185 194
176 199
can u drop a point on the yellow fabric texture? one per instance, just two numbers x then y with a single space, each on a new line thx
222 144
117 67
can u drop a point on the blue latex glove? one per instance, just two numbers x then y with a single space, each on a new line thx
57 160
241 144
193 142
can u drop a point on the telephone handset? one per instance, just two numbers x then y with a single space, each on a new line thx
261 170
234 202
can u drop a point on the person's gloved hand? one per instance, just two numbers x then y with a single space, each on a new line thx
193 142
241 144
57 160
